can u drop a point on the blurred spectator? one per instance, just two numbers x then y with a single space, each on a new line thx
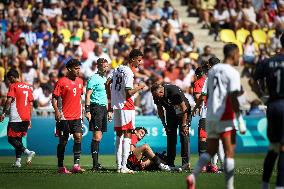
29 73
29 34
148 106
207 7
254 109
175 21
206 55
186 39
167 10
87 45
249 15
14 33
250 52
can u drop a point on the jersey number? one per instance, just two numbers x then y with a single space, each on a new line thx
74 91
277 74
26 93
118 81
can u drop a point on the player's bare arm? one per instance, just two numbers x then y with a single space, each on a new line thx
131 92
198 99
31 112
55 107
6 107
87 105
162 116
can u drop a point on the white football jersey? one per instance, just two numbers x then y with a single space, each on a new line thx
222 79
204 106
122 78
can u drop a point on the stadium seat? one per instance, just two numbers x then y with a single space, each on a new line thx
227 35
242 34
271 33
259 36
240 45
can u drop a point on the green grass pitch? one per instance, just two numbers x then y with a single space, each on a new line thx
42 174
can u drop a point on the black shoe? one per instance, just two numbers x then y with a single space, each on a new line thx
98 167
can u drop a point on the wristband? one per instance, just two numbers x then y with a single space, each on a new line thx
87 108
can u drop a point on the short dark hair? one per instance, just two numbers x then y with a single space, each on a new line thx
101 60
135 53
72 62
213 61
13 73
143 128
199 71
229 49
155 87
282 40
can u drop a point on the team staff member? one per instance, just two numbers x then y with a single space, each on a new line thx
69 120
178 115
20 98
272 70
96 108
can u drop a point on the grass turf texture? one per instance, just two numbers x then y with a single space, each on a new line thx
42 174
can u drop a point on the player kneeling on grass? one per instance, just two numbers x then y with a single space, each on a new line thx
68 121
20 98
143 157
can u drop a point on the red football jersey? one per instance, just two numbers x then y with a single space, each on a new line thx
22 95
134 139
197 87
70 92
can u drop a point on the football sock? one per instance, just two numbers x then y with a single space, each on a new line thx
16 142
220 153
77 152
203 160
95 151
18 153
265 185
125 151
60 154
18 160
280 169
118 150
214 159
268 165
27 151
229 172
156 160
202 147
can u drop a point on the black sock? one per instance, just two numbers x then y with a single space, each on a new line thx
280 169
60 154
16 142
95 152
156 160
77 152
268 165
202 147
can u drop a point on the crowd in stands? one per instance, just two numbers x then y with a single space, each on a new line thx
36 36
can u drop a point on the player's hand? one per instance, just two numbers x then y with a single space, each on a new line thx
109 116
88 116
30 125
2 117
57 116
141 86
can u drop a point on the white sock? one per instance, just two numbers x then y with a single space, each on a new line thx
118 151
229 172
214 159
18 160
265 185
27 151
221 154
279 187
203 160
125 151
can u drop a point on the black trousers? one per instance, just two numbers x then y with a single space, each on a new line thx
173 123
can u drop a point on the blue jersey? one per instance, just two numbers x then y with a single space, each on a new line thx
272 69
97 84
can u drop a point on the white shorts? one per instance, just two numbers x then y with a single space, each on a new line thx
123 119
215 129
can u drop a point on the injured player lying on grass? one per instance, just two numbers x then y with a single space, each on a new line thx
143 157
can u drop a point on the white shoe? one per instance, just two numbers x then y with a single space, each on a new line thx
164 167
118 170
30 157
17 165
126 171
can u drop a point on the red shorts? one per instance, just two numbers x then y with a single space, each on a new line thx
228 133
202 133
17 129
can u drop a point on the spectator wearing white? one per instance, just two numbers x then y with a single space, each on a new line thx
167 10
29 35
175 21
119 11
249 15
54 10
154 13
144 22
29 73
44 99
24 11
250 52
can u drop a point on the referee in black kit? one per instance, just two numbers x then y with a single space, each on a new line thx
177 115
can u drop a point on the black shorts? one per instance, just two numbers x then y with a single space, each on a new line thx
202 128
66 127
17 129
275 119
98 118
